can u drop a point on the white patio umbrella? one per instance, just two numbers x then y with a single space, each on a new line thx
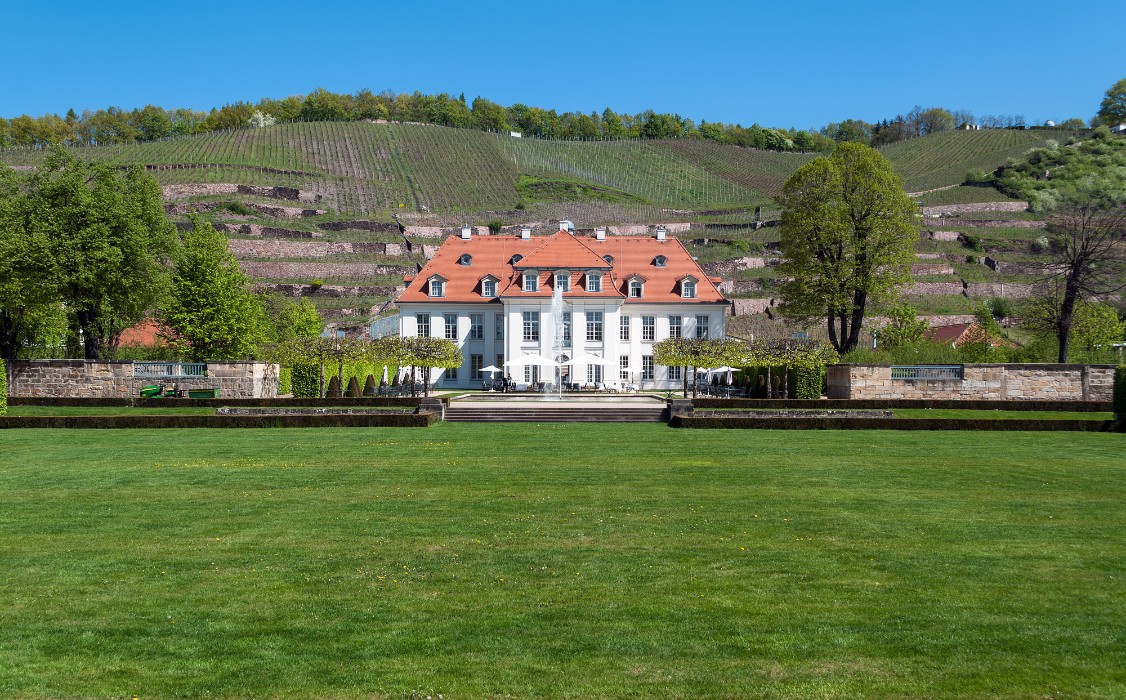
491 369
538 360
588 359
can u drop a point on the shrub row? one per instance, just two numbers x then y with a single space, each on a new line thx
354 420
3 389
305 378
845 404
387 401
745 423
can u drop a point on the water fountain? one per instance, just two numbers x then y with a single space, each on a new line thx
554 391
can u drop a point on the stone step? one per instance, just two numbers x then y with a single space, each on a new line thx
554 415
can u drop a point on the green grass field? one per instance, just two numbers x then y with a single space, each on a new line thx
561 560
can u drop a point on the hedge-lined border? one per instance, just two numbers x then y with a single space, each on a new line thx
1033 424
354 420
846 404
365 402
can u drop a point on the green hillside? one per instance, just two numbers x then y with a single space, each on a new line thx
942 159
371 169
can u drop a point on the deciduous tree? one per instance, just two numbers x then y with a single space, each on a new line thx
848 231
211 309
1112 110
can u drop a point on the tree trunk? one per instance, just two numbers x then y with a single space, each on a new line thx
1067 317
321 393
90 340
684 381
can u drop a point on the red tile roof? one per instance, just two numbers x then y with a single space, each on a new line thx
952 333
493 255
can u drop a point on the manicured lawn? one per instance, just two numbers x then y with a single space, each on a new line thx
561 560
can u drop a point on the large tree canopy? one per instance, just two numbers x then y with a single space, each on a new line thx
848 233
107 238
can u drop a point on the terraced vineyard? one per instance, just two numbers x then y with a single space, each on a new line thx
942 159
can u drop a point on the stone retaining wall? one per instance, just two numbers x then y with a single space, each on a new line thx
980 382
103 379
292 249
978 206
310 270
746 307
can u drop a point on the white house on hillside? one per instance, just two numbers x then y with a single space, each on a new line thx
494 295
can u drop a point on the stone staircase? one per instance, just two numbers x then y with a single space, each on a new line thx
562 413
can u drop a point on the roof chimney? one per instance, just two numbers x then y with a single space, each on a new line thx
525 232
466 232
567 226
600 233
661 233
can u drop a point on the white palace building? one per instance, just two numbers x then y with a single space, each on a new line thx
562 296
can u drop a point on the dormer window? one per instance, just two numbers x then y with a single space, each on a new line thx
688 288
437 286
594 281
466 259
609 259
489 287
636 288
660 261
563 280
531 281
516 258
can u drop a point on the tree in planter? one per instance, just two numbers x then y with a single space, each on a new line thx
110 241
690 353
427 353
848 234
212 311
805 358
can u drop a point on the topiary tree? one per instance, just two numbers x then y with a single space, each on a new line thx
334 389
353 389
369 386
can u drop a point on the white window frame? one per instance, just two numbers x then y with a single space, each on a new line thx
531 326
499 332
563 278
450 321
647 367
488 288
676 327
476 362
594 281
476 326
636 289
623 367
623 328
567 339
531 281
437 287
422 321
594 321
703 326
688 289
649 328
676 374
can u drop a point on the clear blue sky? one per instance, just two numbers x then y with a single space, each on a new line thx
787 64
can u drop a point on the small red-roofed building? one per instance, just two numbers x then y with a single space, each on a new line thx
562 296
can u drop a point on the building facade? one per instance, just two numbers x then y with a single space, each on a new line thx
560 297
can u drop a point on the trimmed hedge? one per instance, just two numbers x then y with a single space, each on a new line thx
377 401
353 420
285 380
306 382
1120 393
846 404
3 389
746 423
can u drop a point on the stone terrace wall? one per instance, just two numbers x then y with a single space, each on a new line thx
95 379
981 382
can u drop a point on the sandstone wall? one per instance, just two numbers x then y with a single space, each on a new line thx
980 206
292 249
310 270
981 382
99 379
